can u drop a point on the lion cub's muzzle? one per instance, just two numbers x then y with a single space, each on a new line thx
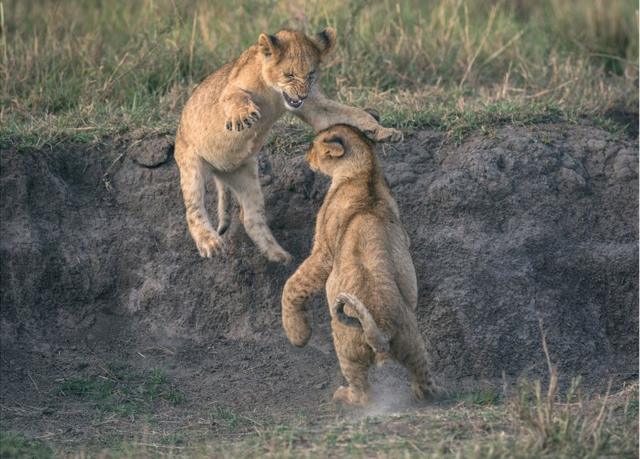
293 103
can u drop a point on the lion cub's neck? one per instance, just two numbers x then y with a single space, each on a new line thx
357 187
362 165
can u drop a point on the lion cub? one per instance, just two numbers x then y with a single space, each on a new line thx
227 119
361 252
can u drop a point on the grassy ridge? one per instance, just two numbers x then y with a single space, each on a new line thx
85 68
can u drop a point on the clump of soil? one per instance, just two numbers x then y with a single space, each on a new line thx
526 226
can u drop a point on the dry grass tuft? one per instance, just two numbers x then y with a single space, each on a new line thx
569 425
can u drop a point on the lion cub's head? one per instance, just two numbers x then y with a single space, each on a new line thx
341 151
291 60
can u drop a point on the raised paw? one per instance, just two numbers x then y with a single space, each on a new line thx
209 244
383 134
297 329
243 116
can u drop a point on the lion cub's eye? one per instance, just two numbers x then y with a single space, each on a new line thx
289 75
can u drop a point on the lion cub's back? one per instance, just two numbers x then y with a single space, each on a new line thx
202 107
373 250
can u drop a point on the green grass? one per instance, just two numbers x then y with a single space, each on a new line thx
482 397
15 445
82 69
121 390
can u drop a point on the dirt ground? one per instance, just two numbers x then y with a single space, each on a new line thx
103 291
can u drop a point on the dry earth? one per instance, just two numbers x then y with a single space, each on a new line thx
100 277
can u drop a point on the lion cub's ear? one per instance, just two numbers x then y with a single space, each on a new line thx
268 44
325 41
333 147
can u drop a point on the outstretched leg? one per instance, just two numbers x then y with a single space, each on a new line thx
246 186
193 172
356 374
321 112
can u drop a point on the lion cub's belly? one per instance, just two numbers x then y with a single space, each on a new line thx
226 150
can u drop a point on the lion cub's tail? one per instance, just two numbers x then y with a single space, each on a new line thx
223 216
372 334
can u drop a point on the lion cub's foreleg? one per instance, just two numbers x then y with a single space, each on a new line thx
321 113
193 174
309 278
245 184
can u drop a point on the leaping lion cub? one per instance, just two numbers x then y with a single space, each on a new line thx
361 252
226 121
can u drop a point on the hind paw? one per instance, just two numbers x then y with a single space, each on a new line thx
350 397
425 390
209 244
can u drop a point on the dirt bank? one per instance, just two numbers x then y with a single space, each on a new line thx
524 224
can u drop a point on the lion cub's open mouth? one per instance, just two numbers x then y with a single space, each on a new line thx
292 103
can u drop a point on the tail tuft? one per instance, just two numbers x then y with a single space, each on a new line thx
223 216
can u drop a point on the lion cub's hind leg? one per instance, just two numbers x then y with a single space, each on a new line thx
357 391
193 174
245 184
411 353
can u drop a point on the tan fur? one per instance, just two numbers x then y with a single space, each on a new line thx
361 255
227 119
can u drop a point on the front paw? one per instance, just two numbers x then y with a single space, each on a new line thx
383 134
242 117
296 327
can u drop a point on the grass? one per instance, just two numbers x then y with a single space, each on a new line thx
531 419
119 389
82 70
16 445
482 397
532 422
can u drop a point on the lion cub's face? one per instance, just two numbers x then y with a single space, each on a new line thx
340 150
291 60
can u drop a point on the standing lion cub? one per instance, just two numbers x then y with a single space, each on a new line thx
228 117
361 252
